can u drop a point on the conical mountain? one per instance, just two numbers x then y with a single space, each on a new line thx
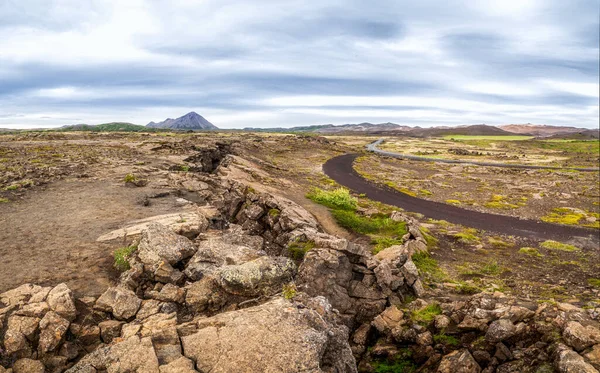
190 121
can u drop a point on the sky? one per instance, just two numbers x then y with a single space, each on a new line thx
288 63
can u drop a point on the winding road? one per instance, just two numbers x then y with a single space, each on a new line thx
341 170
373 148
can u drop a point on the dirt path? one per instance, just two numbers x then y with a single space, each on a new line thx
373 148
341 170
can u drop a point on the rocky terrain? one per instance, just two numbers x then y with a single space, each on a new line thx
240 278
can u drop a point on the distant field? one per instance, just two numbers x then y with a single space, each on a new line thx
492 137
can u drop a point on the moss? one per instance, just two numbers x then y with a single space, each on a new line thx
467 236
555 245
121 257
274 213
595 282
184 168
499 202
289 291
299 249
532 251
4 200
447 340
425 192
569 216
402 362
425 315
499 243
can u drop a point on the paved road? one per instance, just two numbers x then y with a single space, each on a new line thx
341 170
373 148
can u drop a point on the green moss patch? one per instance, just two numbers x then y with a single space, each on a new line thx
555 245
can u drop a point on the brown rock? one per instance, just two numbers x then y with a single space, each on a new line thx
580 337
110 330
459 361
28 366
60 299
53 329
123 303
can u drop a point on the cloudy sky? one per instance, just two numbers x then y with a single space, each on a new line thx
285 63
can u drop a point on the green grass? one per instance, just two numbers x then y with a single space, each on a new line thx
555 245
467 288
184 168
492 268
429 267
339 199
489 137
289 291
376 224
4 200
447 340
500 202
430 239
497 242
298 249
380 243
274 213
425 315
121 255
531 251
595 282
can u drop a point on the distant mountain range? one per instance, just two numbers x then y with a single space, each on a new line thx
475 130
190 121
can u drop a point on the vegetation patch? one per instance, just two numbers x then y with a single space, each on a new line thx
467 236
299 249
595 282
429 238
3 200
531 251
425 315
555 245
453 202
339 198
497 242
429 267
399 363
569 216
463 287
130 178
121 257
500 202
274 213
380 243
289 291
447 340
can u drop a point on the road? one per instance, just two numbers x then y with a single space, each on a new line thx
373 148
341 170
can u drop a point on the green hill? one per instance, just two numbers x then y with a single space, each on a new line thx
109 127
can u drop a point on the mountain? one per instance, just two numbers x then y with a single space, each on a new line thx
107 127
190 121
473 130
540 129
341 128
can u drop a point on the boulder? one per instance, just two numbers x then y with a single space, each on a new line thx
132 355
388 320
500 330
169 293
460 361
122 303
214 253
53 328
38 309
569 361
109 330
265 275
24 294
181 365
580 337
593 356
160 249
28 366
28 326
278 336
60 299
205 294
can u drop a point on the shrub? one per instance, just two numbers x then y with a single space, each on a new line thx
339 198
121 257
555 245
130 178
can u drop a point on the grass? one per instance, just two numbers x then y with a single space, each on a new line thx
499 202
400 363
425 315
121 255
447 340
489 137
497 242
467 288
555 245
380 243
595 282
431 240
339 199
298 249
4 200
429 267
184 168
274 213
531 251
375 224
492 268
